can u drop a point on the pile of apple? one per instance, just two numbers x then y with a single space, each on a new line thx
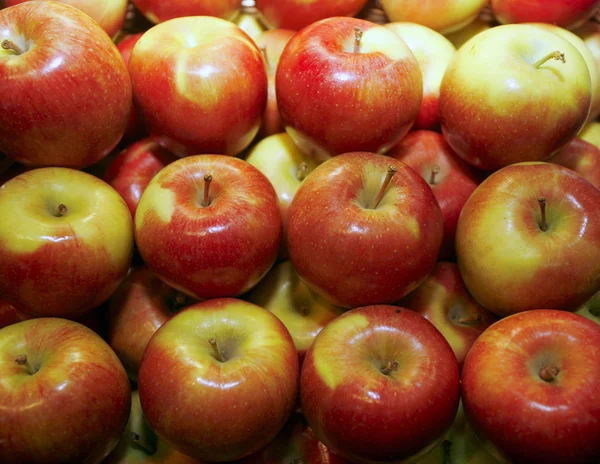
300 232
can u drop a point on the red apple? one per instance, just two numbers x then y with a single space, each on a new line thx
345 84
205 92
209 225
64 395
9 315
591 309
364 229
380 384
568 14
219 380
72 245
582 157
530 106
131 171
527 239
159 11
66 95
297 14
530 388
451 180
444 300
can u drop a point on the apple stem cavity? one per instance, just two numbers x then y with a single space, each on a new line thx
216 351
206 199
435 170
61 210
10 45
388 178
358 33
555 55
391 366
543 222
549 373
22 360
302 171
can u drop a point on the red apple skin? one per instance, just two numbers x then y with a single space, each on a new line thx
131 171
9 315
444 301
135 127
452 185
54 83
558 421
564 14
240 230
297 14
357 101
75 406
354 255
205 92
582 157
159 11
364 415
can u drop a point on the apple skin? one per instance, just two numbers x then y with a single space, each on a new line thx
62 266
55 82
452 185
591 133
9 315
591 309
223 249
502 219
364 415
462 36
69 402
582 157
563 14
363 101
217 410
131 171
297 14
558 420
158 11
509 116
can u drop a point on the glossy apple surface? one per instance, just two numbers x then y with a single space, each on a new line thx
564 14
236 368
61 65
159 11
64 394
582 157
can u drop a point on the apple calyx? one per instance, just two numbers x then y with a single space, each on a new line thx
22 360
218 354
555 55
446 447
61 210
549 373
302 171
388 178
543 222
435 170
391 366
358 33
206 197
10 45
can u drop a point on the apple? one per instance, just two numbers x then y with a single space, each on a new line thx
66 95
110 14
364 229
444 300
297 14
346 84
250 20
591 133
286 167
530 106
158 11
380 384
564 14
433 53
64 394
9 315
10 169
71 247
205 92
582 157
529 388
131 171
527 239
591 309
209 225
442 16
219 380
451 180
462 36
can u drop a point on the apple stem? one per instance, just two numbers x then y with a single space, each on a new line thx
217 352
435 170
472 320
388 178
206 199
358 33
10 45
549 373
555 55
61 210
302 171
447 446
263 50
22 360
390 367
543 222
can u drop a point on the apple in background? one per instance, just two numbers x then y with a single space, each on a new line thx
380 384
286 167
250 20
205 92
345 84
444 300
9 315
544 364
235 372
131 171
451 180
589 32
73 244
527 239
442 16
433 53
591 309
591 133
209 225
109 14
302 311
568 14
64 395
158 11
582 157
272 43
57 65
297 14
530 106
11 169
462 36
364 229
